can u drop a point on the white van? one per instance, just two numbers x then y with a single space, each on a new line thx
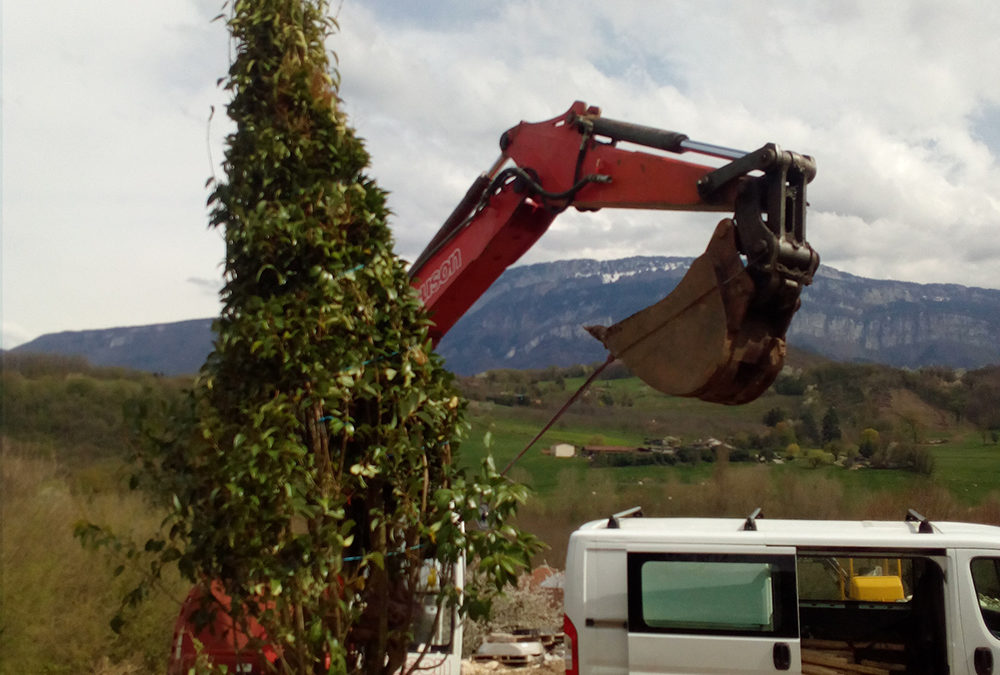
724 595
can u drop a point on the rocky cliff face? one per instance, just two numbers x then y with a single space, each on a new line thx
533 317
850 318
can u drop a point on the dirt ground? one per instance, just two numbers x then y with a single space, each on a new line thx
551 666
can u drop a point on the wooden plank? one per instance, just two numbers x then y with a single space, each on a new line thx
845 655
813 669
813 643
825 658
892 667
843 665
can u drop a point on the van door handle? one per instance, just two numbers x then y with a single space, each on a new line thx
782 656
982 658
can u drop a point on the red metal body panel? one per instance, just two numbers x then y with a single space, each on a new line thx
225 643
467 265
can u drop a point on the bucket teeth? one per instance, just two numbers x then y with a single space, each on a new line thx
707 339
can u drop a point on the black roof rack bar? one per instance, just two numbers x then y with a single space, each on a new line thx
634 512
925 524
750 524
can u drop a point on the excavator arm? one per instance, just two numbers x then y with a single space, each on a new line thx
720 335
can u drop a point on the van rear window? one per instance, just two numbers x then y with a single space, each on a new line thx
710 593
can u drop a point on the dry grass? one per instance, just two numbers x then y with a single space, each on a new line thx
733 490
58 598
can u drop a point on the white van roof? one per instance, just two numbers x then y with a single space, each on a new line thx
918 533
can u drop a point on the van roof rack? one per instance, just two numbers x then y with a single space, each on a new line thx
925 524
750 524
634 512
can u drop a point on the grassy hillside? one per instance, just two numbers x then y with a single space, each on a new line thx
62 451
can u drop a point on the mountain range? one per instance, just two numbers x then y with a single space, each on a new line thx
533 317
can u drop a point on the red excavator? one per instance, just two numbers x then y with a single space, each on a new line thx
718 336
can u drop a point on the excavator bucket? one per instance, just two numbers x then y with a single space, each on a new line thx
707 339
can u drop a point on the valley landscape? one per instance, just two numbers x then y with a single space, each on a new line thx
888 401
897 439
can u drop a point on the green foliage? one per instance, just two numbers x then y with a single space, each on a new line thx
65 400
830 426
617 459
773 416
42 567
906 456
817 458
790 385
850 454
694 455
806 427
784 433
981 400
836 448
311 470
869 443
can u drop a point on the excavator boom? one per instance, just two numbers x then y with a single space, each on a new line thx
720 335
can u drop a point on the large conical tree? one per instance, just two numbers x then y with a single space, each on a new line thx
317 470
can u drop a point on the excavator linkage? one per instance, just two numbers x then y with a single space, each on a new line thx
720 334
707 339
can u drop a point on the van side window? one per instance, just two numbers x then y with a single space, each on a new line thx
713 594
855 578
986 578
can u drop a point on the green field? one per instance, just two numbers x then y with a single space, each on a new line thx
965 476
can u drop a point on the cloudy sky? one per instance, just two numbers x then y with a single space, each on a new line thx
108 142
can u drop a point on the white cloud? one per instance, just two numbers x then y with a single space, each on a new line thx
105 158
105 125
885 95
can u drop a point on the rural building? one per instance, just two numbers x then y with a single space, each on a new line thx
563 450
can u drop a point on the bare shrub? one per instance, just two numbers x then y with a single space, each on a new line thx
808 496
933 501
524 607
56 597
987 512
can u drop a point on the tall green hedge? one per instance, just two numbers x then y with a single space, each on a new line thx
314 471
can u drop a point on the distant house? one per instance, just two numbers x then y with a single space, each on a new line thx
563 450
